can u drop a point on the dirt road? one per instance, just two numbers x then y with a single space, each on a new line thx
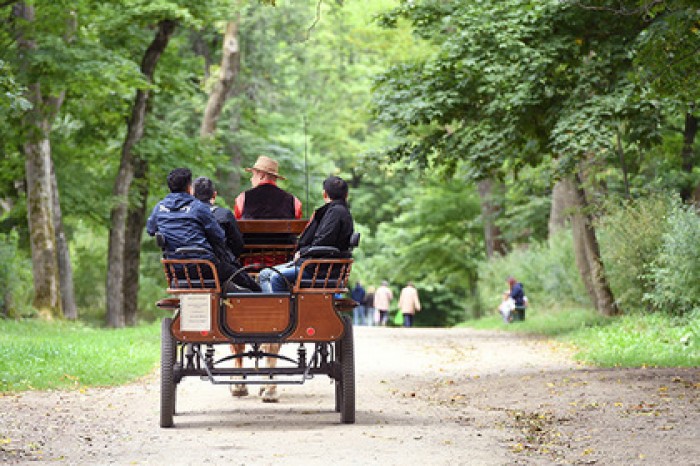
424 397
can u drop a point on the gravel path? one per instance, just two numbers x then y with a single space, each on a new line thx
424 397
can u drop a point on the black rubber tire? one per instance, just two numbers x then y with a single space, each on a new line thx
338 382
347 369
168 349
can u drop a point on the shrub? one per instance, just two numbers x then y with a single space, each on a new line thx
16 282
676 271
631 235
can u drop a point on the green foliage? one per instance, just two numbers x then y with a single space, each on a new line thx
547 271
59 355
668 57
435 240
631 236
16 286
676 271
89 258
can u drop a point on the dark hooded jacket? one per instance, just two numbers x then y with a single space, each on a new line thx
185 221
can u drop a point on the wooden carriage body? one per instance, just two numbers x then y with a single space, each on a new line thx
204 317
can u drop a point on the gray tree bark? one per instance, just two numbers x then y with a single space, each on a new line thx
690 130
559 212
38 173
489 212
117 266
230 67
588 254
70 308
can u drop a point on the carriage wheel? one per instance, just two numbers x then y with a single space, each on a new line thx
168 349
347 370
338 383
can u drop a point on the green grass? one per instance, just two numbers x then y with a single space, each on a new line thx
41 355
652 340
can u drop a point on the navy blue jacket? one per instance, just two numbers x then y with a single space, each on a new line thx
518 294
185 221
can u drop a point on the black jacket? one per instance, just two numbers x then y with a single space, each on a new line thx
331 225
234 238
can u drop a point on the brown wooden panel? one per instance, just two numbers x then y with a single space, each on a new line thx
257 314
317 319
272 226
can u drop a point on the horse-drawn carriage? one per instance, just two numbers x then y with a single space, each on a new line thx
207 319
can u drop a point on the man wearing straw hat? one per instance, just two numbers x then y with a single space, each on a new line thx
265 200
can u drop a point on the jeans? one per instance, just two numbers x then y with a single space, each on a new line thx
358 315
408 320
369 316
272 282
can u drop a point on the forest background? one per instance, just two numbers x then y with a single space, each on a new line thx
550 140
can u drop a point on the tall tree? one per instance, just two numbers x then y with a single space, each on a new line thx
121 268
49 252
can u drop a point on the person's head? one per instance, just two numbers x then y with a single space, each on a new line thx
204 189
335 188
409 284
385 283
511 281
265 169
180 180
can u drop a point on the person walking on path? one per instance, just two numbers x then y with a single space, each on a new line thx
382 302
370 319
409 304
358 313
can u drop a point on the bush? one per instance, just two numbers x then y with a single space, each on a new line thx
631 236
547 270
16 281
676 271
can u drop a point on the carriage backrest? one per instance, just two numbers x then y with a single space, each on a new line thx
269 242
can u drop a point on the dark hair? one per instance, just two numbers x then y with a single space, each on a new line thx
179 179
203 189
335 187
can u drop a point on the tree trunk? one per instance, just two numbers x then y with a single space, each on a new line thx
578 227
687 153
116 266
136 222
37 152
489 212
70 309
585 236
558 213
230 66
228 73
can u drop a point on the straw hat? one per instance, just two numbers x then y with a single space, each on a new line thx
267 165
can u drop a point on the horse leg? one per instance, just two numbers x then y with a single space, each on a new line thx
269 392
238 389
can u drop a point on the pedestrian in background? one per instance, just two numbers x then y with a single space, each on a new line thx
382 301
516 292
358 313
370 318
409 304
